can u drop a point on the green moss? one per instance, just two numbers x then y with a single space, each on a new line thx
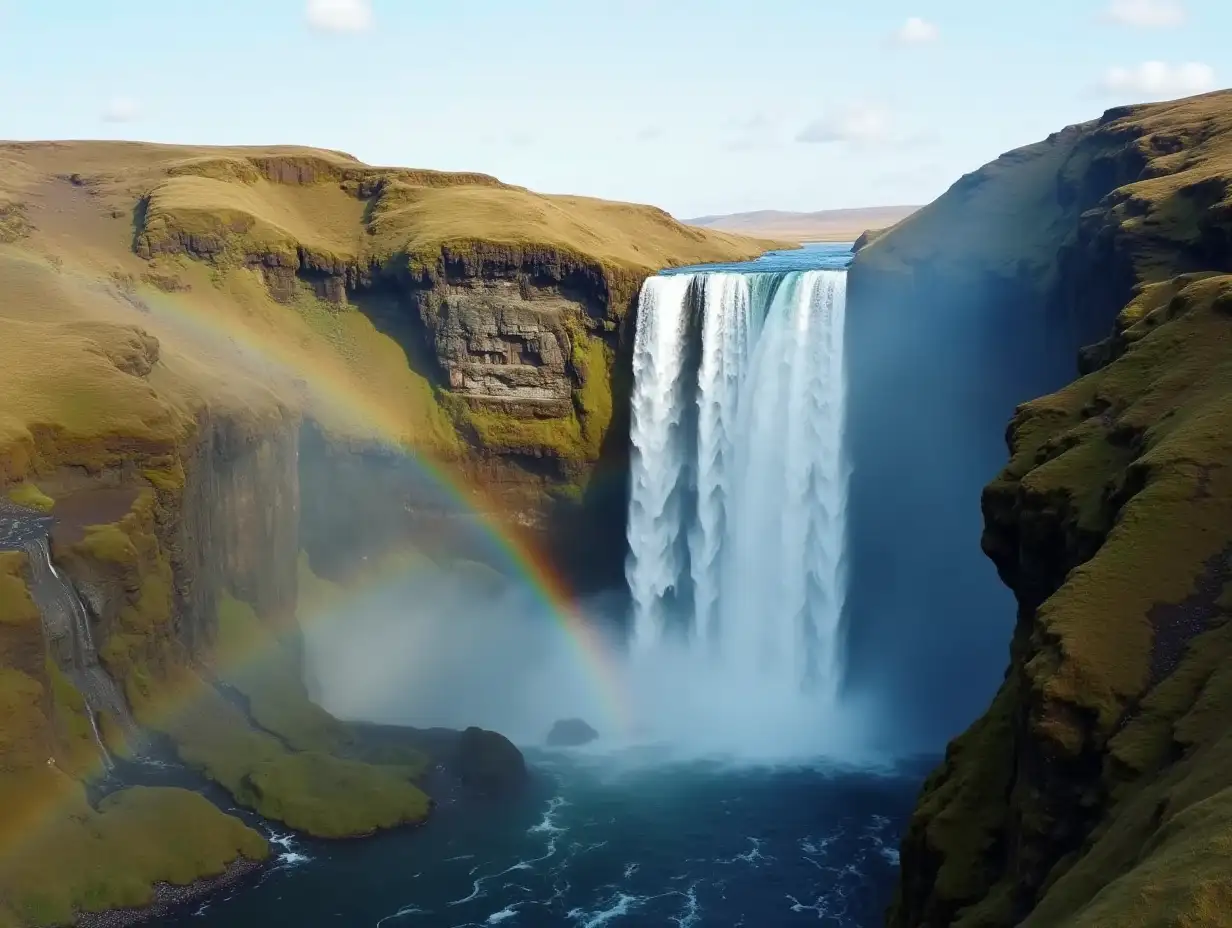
28 495
592 360
326 796
961 812
82 859
109 544
275 751
318 793
23 736
170 479
16 606
495 430
1171 387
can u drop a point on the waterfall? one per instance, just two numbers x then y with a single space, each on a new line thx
70 639
739 479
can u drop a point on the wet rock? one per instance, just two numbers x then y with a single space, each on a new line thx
571 733
488 763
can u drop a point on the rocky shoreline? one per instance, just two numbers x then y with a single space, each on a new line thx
169 897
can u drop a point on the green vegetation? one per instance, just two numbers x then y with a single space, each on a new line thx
494 429
62 856
16 606
28 495
311 791
1117 502
277 752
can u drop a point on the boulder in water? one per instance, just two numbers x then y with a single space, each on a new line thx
571 733
488 763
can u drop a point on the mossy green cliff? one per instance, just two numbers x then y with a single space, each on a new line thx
1097 788
178 326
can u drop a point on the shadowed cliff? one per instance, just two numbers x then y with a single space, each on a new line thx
1095 790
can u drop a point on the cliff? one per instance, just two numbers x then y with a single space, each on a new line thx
1097 789
211 359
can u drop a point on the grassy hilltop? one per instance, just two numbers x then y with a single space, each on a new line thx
168 315
97 232
1097 789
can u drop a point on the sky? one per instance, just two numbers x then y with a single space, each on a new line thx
698 106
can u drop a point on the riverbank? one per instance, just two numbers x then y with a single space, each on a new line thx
170 899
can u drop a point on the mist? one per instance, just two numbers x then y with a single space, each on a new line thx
936 367
454 646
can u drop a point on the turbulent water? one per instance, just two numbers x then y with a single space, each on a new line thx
736 520
688 845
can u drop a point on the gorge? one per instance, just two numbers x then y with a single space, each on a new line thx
292 411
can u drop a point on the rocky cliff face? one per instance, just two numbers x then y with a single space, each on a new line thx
1095 790
235 528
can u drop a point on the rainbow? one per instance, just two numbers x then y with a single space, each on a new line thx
259 342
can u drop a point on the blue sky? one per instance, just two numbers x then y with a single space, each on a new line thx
699 106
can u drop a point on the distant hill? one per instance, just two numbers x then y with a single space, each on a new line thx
827 225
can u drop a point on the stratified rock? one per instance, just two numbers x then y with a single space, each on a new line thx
570 733
488 763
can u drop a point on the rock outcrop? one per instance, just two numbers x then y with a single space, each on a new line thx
568 733
1097 788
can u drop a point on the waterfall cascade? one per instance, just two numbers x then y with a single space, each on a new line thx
66 628
739 479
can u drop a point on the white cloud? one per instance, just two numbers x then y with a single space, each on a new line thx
916 31
864 123
340 15
1146 14
649 134
1159 79
121 109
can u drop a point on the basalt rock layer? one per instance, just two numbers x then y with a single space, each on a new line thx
1097 788
214 359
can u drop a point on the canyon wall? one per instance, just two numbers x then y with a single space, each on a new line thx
1095 788
229 375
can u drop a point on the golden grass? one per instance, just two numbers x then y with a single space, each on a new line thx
16 606
420 220
222 341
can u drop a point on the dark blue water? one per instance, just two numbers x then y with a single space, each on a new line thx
826 256
592 845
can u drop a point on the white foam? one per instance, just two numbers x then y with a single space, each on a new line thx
621 904
504 914
403 912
